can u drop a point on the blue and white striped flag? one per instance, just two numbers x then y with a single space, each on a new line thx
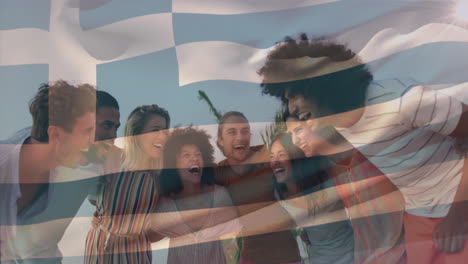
164 51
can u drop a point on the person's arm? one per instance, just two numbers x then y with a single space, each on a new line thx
449 235
266 218
154 236
271 217
461 130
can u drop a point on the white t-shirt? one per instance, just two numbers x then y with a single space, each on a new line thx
33 235
9 189
403 131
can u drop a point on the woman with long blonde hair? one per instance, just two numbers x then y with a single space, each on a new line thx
126 199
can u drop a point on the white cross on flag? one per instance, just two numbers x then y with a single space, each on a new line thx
164 51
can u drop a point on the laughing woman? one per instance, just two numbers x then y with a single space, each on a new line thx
321 214
192 211
126 200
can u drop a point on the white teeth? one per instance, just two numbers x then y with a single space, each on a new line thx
279 170
194 167
304 116
157 145
239 146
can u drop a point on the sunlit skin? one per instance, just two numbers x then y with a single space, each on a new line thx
280 162
235 140
304 138
70 146
190 164
153 137
63 149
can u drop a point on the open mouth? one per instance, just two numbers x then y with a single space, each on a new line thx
279 170
194 170
303 147
158 146
239 147
304 116
89 152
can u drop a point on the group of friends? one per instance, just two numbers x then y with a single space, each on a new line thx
358 171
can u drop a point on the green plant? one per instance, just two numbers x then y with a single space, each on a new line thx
202 96
273 129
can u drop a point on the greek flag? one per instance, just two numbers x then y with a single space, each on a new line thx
165 51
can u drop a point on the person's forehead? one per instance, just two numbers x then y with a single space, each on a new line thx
291 124
154 119
236 122
276 146
85 121
189 148
289 95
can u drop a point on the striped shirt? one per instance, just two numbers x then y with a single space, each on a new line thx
124 206
404 131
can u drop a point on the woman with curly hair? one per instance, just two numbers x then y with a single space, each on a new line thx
127 198
192 211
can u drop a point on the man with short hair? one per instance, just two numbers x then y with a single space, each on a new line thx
107 116
403 128
107 124
63 129
249 182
